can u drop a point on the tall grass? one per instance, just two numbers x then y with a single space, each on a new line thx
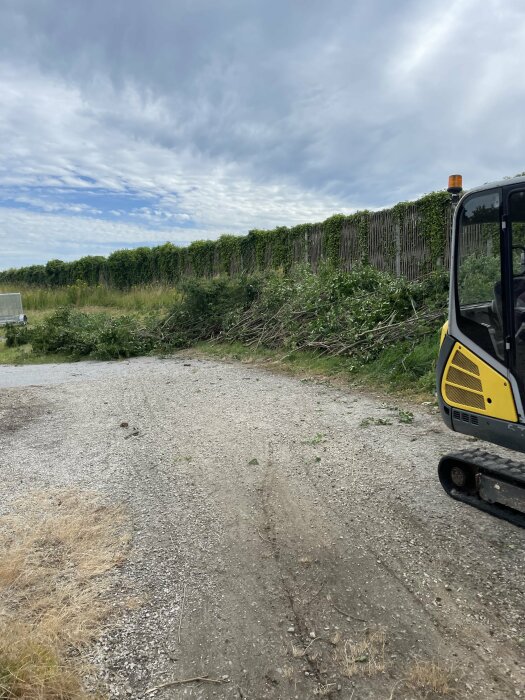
141 298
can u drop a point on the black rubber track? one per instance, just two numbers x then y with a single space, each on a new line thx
480 462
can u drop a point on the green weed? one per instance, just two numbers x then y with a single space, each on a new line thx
317 439
405 416
367 422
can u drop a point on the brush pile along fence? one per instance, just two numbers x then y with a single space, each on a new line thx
411 239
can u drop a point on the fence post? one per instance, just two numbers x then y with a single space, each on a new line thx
306 255
398 250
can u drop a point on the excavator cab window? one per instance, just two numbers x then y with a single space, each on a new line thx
516 217
479 309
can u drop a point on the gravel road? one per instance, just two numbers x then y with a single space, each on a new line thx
287 534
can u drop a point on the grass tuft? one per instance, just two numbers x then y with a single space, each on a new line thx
33 669
366 657
429 676
57 551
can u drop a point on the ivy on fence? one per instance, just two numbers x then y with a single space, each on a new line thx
279 248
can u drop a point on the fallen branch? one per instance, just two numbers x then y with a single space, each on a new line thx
309 645
275 332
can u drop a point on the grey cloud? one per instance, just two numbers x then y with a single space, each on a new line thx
282 88
339 103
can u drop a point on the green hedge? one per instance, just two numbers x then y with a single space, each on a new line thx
279 248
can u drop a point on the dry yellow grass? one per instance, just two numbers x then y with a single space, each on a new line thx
288 673
32 667
57 551
429 676
365 657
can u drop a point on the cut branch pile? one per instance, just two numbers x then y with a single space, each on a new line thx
273 332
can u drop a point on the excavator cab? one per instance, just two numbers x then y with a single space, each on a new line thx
481 364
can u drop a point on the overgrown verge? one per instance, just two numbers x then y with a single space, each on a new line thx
363 322
57 551
140 298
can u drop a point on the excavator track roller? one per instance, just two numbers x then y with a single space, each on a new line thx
491 483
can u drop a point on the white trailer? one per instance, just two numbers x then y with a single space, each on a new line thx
11 310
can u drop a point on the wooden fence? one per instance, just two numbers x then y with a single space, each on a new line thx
400 249
409 240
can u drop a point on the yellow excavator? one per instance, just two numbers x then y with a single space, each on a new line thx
481 364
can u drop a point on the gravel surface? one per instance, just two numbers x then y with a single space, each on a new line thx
273 516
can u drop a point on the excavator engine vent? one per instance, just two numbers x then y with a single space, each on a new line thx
463 362
462 383
465 417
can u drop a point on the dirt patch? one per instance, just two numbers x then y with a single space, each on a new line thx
17 410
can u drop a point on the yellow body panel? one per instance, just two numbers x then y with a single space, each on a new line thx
444 331
471 384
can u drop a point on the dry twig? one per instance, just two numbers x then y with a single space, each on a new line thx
182 610
182 681
346 614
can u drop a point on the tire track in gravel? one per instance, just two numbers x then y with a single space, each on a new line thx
351 578
166 559
217 622
304 635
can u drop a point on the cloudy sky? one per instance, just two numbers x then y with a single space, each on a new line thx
126 122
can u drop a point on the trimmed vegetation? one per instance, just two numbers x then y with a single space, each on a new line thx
362 324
